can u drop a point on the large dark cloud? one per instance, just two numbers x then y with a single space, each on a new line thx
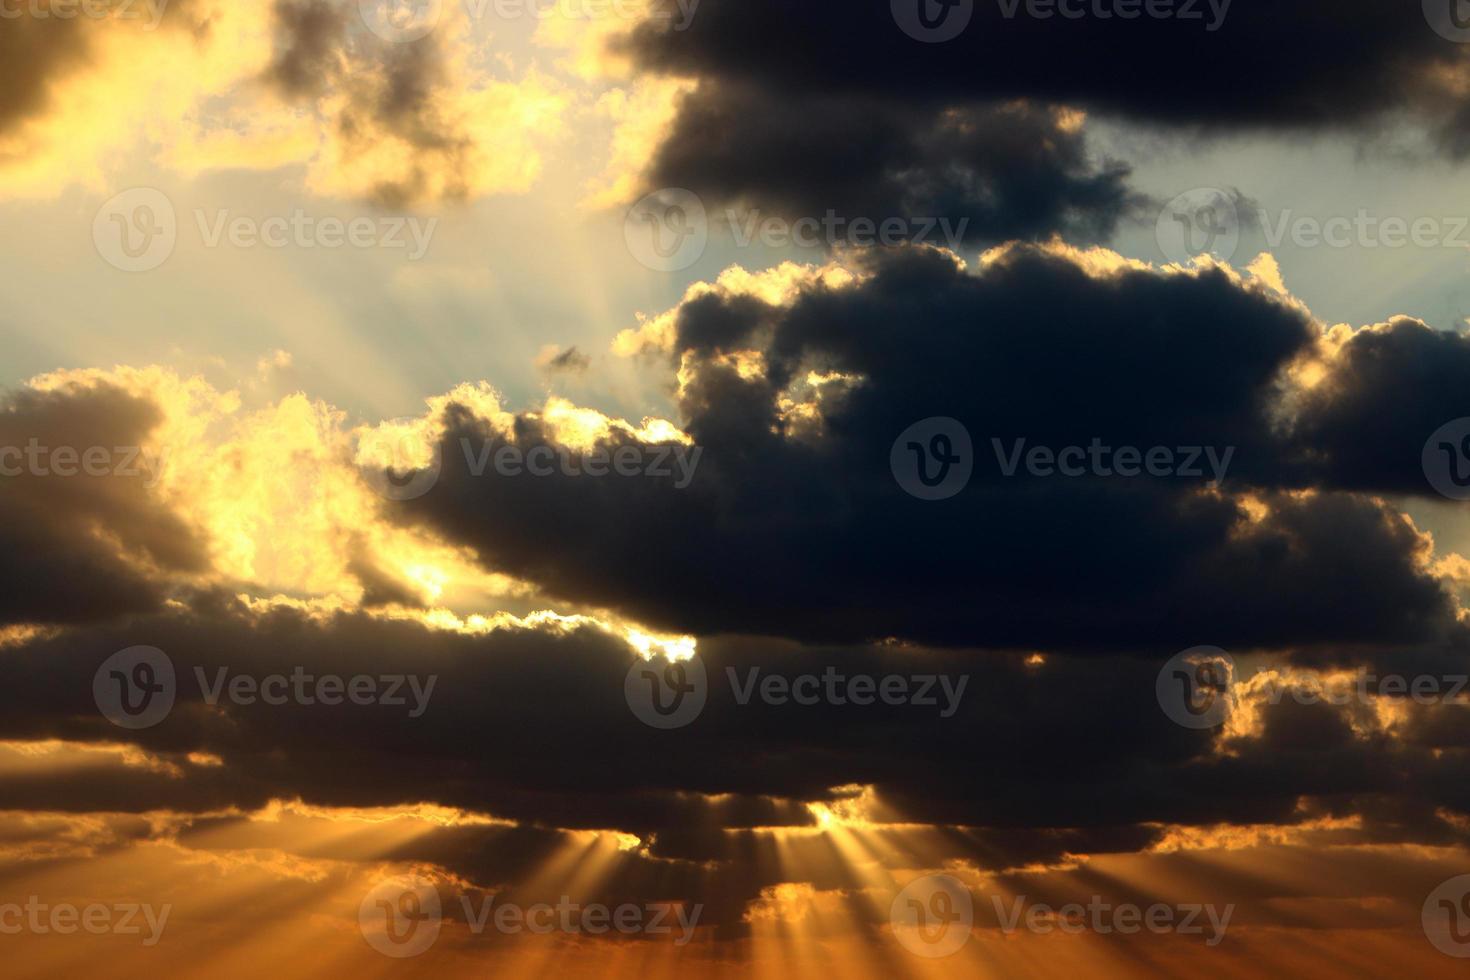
834 106
79 546
805 533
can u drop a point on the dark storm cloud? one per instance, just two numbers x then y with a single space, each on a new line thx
1012 171
833 106
1389 389
1306 64
309 55
1036 762
793 534
77 546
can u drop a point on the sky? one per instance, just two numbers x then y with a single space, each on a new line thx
648 487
